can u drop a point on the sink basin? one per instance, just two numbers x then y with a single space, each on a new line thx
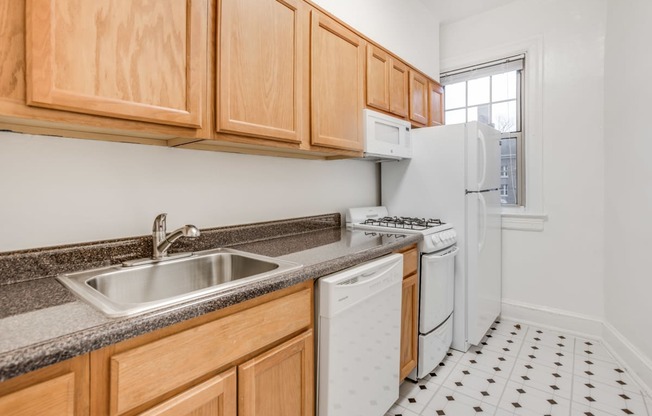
123 291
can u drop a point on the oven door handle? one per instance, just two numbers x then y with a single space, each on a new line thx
448 253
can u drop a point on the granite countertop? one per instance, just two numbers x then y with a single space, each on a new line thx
42 323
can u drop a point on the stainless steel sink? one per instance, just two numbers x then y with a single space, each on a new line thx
123 291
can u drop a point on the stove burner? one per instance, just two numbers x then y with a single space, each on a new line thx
411 223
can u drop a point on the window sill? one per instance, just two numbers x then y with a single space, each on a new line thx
522 221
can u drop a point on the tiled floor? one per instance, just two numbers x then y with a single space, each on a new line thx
525 370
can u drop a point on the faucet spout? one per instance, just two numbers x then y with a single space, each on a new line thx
162 241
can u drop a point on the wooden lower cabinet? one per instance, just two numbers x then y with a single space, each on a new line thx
57 390
215 397
409 311
279 382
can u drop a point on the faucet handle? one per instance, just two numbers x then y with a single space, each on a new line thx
159 223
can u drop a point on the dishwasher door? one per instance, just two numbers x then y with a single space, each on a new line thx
359 332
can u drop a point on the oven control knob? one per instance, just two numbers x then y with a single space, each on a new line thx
436 240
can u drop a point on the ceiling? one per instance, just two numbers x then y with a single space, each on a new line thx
451 10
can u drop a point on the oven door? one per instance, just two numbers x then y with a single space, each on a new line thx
437 284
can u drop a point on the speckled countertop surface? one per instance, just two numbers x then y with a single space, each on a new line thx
42 323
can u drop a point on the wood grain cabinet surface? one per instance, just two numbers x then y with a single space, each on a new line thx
409 311
418 98
262 87
58 390
435 103
387 82
337 84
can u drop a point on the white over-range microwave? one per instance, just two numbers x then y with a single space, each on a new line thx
386 137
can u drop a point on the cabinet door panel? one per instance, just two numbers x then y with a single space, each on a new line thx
143 62
409 325
337 84
398 88
279 382
263 61
378 62
418 98
436 104
215 397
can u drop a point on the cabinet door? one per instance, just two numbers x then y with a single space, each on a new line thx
263 68
215 397
337 84
409 325
418 98
279 382
378 66
398 88
141 60
58 390
435 104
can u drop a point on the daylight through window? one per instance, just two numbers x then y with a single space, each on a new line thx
491 93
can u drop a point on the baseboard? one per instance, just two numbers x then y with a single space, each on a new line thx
635 362
639 366
577 324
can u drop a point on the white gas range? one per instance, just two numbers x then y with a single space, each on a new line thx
437 254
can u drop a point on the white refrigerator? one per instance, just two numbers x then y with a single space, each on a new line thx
454 175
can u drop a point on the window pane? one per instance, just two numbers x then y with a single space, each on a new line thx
455 95
479 91
503 116
456 116
508 171
503 86
472 114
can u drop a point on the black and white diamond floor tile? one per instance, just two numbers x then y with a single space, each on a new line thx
563 375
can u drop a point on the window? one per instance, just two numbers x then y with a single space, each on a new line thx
491 93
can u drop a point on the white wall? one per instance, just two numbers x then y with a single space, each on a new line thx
628 176
56 191
405 27
560 267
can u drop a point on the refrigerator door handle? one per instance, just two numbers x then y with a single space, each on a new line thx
482 228
483 148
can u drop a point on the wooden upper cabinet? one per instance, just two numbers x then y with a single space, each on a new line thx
143 62
418 98
398 88
263 57
378 72
337 84
435 103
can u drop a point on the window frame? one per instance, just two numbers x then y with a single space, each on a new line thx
531 216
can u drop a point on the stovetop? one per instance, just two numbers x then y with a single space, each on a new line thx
377 218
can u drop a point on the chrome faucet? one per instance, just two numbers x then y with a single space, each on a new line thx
162 241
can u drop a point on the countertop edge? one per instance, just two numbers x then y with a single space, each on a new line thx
26 359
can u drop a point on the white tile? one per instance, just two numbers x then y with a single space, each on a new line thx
523 400
581 409
549 356
605 372
544 378
415 396
607 398
397 410
550 338
475 384
502 344
443 369
592 350
508 328
452 403
489 361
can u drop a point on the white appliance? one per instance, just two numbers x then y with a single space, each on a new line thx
436 278
456 175
386 137
358 332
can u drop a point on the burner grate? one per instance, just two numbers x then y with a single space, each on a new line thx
411 223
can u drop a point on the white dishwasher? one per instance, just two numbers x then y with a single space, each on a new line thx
358 338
